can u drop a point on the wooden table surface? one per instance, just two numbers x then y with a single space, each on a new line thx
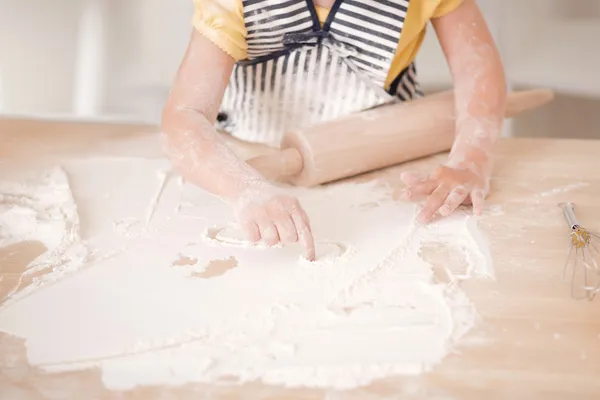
539 342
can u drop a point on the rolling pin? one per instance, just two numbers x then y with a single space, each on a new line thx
374 139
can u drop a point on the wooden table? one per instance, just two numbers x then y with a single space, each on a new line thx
540 343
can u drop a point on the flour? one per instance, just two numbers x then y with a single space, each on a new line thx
152 313
40 208
162 176
563 189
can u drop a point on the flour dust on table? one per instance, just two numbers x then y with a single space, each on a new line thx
39 207
183 298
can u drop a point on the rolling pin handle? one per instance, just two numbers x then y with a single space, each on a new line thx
525 100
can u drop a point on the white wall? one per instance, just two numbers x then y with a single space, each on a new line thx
145 60
37 42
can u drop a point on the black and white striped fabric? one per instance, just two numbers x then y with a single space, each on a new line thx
298 73
406 85
267 21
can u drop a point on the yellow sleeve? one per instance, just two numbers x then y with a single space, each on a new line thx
222 22
445 6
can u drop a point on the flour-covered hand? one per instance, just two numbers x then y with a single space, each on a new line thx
480 95
269 214
450 185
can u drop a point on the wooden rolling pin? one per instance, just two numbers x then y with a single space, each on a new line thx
374 139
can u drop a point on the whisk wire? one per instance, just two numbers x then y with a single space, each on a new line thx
566 267
584 261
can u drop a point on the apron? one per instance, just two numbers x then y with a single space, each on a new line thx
297 73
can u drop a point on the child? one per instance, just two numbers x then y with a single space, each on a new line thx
256 68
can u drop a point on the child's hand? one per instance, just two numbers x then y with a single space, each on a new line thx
480 103
452 184
269 214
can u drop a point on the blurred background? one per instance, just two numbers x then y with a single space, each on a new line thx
117 58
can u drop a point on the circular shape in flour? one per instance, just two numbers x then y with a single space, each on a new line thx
232 235
327 252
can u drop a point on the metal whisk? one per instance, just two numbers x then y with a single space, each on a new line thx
583 258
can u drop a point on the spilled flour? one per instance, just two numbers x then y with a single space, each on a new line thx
189 301
41 208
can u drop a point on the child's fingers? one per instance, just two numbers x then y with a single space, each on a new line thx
420 190
268 232
251 231
478 200
454 199
305 236
287 229
433 203
411 178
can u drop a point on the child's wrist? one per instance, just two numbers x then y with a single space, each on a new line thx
247 187
473 158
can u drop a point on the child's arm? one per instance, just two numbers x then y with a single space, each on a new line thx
202 157
480 98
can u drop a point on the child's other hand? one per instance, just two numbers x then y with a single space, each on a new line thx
449 186
267 213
